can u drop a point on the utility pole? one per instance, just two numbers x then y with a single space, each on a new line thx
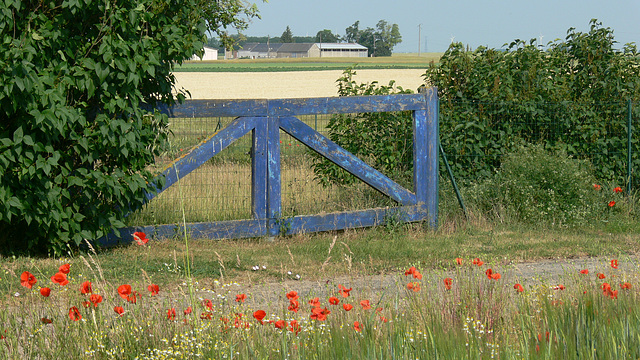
419 40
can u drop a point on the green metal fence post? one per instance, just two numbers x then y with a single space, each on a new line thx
629 164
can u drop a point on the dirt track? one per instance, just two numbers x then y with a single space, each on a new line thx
293 84
548 272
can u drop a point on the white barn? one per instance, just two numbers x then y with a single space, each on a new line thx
209 54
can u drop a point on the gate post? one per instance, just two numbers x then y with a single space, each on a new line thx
425 156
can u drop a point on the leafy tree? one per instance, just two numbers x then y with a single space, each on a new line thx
327 36
287 35
380 41
77 82
352 33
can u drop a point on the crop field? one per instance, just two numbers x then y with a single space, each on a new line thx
290 84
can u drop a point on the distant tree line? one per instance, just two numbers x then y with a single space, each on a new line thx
379 40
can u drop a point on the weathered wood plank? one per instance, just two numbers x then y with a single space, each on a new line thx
332 151
204 151
295 107
353 219
432 161
215 230
259 171
274 196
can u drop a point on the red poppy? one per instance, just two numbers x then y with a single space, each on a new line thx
417 275
597 187
86 288
241 298
44 320
154 289
208 304
292 295
64 268
140 237
344 291
95 299
459 261
119 310
315 302
626 286
171 314
496 276
410 271
86 304
365 304
489 272
188 311
612 203
259 315
74 314
477 261
413 286
559 287
320 314
601 276
614 263
447 283
585 271
124 291
518 287
347 307
45 291
294 327
133 298
334 300
294 305
60 278
206 316
617 189
27 280
357 326
280 324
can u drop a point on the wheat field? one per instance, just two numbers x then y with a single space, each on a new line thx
291 84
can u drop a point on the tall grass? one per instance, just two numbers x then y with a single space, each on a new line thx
477 317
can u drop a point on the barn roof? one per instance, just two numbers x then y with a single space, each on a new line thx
295 47
341 46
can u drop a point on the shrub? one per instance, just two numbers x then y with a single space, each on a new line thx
75 138
383 140
536 186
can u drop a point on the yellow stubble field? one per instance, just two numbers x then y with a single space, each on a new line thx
291 84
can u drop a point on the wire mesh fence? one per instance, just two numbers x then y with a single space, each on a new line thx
474 135
221 189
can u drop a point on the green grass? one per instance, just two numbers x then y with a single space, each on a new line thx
476 317
399 61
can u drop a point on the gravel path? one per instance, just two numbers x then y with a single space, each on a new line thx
271 296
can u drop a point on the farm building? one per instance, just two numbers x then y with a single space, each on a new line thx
300 50
209 54
342 50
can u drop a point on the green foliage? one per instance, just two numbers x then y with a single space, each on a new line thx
535 186
287 36
326 36
383 140
75 139
571 96
380 41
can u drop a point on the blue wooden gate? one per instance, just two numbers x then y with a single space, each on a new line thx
264 119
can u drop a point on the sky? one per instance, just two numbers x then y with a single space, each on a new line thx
475 23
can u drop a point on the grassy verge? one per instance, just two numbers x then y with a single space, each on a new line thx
477 318
400 61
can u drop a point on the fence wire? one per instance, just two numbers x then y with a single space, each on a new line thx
474 135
